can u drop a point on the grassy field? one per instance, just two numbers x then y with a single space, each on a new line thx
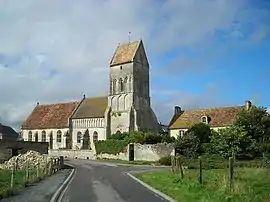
250 185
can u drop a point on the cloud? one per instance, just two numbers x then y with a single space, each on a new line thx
52 52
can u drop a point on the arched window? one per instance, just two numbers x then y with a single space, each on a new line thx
51 140
121 85
36 137
30 137
59 136
114 86
95 136
79 137
181 133
126 87
43 136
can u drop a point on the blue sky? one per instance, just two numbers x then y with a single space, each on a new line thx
203 53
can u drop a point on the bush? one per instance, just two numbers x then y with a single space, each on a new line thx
166 161
110 146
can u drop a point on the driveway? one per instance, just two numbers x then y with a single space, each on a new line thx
106 182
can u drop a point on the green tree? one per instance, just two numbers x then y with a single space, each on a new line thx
188 145
255 121
228 141
202 131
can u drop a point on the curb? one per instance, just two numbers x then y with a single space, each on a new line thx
158 193
63 186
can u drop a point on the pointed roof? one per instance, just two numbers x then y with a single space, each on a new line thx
125 53
91 108
50 116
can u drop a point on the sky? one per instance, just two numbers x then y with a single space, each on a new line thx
202 53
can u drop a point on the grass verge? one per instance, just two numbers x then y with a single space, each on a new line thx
250 185
19 181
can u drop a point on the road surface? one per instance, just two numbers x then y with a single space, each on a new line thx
106 182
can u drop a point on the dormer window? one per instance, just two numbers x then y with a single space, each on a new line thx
204 119
181 133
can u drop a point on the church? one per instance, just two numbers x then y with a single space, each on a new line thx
127 107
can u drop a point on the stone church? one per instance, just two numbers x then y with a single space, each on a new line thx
127 107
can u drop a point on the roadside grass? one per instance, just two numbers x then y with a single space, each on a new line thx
19 181
128 162
250 185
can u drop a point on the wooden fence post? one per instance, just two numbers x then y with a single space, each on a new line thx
173 163
231 171
180 163
200 169
12 176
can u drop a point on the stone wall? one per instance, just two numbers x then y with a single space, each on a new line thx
152 152
145 152
8 148
79 154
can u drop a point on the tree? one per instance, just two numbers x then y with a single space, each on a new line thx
86 140
256 122
202 131
188 145
228 141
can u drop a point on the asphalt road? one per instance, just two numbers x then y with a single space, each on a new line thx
106 182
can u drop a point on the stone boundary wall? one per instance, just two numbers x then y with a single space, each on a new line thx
152 152
145 152
74 154
7 146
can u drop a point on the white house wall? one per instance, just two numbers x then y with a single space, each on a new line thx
175 132
93 125
56 145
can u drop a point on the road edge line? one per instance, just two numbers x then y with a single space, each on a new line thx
62 187
159 193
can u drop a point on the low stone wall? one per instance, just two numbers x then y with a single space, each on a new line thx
120 156
75 154
8 148
145 152
152 152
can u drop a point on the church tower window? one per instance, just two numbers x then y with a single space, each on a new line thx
121 85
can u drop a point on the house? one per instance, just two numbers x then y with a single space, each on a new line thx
126 107
7 133
217 118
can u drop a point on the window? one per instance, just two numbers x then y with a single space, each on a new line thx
121 67
95 136
126 84
79 137
121 85
204 119
181 132
43 136
59 136
30 137
36 137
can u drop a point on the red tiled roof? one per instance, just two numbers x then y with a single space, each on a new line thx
219 117
50 116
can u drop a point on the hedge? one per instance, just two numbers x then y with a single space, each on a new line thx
110 146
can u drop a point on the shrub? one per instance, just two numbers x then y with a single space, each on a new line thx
166 161
110 146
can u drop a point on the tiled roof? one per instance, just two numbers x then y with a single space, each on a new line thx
50 116
125 53
222 116
91 108
6 130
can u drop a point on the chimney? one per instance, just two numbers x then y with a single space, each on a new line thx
177 110
83 96
248 104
